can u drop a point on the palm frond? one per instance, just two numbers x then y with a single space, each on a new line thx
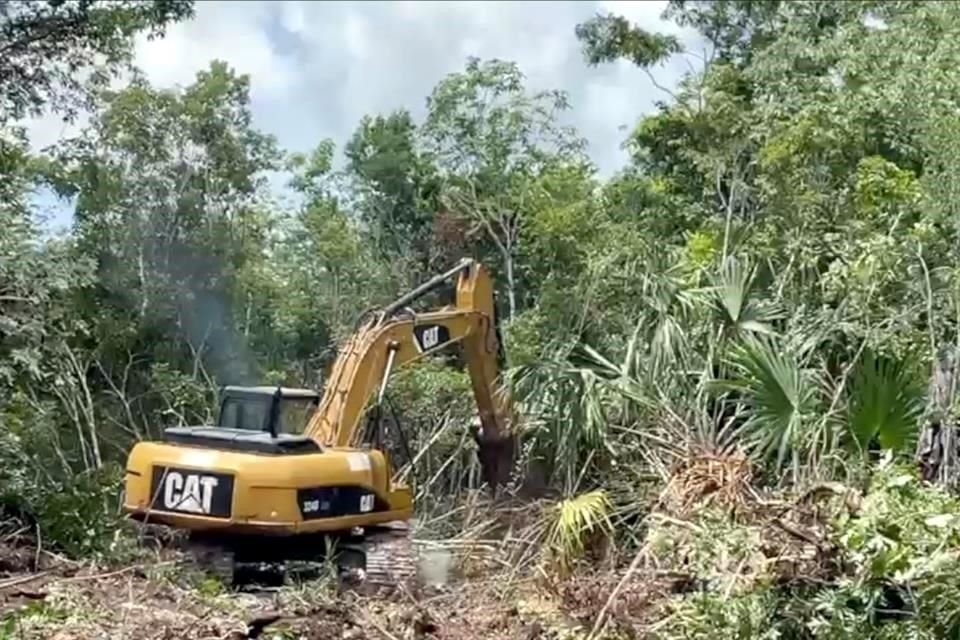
670 344
573 521
731 288
884 402
566 407
585 357
779 396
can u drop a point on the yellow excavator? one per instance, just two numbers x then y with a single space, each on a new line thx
284 470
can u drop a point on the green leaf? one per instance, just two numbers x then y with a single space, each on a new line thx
885 402
739 310
778 394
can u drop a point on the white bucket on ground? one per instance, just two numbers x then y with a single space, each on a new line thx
435 566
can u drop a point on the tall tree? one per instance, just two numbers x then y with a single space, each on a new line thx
331 272
396 186
170 201
491 137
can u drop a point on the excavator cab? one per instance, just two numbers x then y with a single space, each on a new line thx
258 419
274 410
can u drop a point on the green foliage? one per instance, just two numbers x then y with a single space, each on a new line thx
504 160
608 37
184 231
525 337
38 612
397 187
576 520
482 121
896 546
740 311
187 401
881 187
14 477
737 28
430 390
81 515
780 395
78 514
701 249
565 404
46 46
751 616
886 402
725 554
904 530
895 567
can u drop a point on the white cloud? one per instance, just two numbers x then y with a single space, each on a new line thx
317 67
292 16
357 35
232 31
45 131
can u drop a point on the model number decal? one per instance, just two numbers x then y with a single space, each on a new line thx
334 502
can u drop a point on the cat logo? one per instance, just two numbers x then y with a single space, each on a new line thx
186 491
192 493
431 336
366 503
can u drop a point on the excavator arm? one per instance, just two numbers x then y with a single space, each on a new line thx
396 336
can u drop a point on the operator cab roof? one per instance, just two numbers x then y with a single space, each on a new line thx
265 390
241 440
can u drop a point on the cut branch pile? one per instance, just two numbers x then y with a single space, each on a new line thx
713 526
707 479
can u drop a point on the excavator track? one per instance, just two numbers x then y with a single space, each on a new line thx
214 560
382 558
391 558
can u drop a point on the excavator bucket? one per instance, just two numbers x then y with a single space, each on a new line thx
496 456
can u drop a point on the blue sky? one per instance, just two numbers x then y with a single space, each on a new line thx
317 67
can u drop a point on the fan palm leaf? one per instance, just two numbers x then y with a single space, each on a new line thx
778 394
566 407
885 402
731 288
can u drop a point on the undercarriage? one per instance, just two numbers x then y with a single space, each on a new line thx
377 557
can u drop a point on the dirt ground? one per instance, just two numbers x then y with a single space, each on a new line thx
43 596
481 586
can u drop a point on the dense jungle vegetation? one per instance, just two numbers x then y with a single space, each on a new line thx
765 285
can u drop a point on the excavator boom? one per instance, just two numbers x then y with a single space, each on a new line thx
395 337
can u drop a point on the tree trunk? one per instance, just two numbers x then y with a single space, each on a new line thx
937 449
144 296
511 293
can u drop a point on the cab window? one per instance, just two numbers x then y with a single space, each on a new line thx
244 413
294 415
